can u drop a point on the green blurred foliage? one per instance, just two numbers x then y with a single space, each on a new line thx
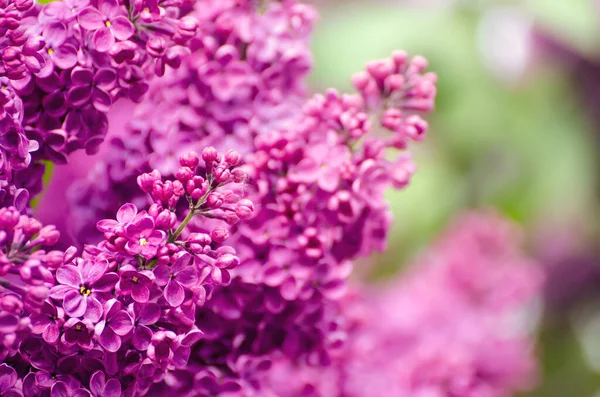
521 149
526 150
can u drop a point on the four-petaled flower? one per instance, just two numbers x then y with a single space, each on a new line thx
181 274
143 315
108 22
80 332
95 86
81 286
137 284
143 238
47 322
115 324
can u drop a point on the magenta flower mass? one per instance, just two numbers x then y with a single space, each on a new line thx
209 248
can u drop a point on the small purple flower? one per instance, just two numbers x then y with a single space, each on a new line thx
181 274
115 323
8 378
95 86
101 388
136 284
108 23
81 286
79 332
61 53
48 322
143 315
143 238
323 164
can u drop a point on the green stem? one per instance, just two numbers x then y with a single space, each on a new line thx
182 226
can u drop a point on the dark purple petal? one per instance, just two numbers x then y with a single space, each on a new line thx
80 95
149 313
188 277
8 378
121 323
141 338
69 275
8 323
103 39
82 76
101 100
112 388
91 19
97 383
162 274
80 393
59 390
109 340
122 28
105 79
106 282
55 104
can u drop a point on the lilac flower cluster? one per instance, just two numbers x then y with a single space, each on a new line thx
63 65
245 76
131 297
476 274
218 274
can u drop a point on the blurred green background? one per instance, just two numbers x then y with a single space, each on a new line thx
512 130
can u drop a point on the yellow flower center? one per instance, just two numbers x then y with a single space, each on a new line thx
78 327
135 279
50 51
143 242
85 291
108 24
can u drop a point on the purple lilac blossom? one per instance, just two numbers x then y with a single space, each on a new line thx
449 324
224 271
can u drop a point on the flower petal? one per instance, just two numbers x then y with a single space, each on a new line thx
69 275
75 304
97 383
126 213
121 323
94 310
59 291
103 39
109 340
112 388
141 338
140 293
8 377
174 293
122 28
148 314
90 18
106 282
92 271
101 100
